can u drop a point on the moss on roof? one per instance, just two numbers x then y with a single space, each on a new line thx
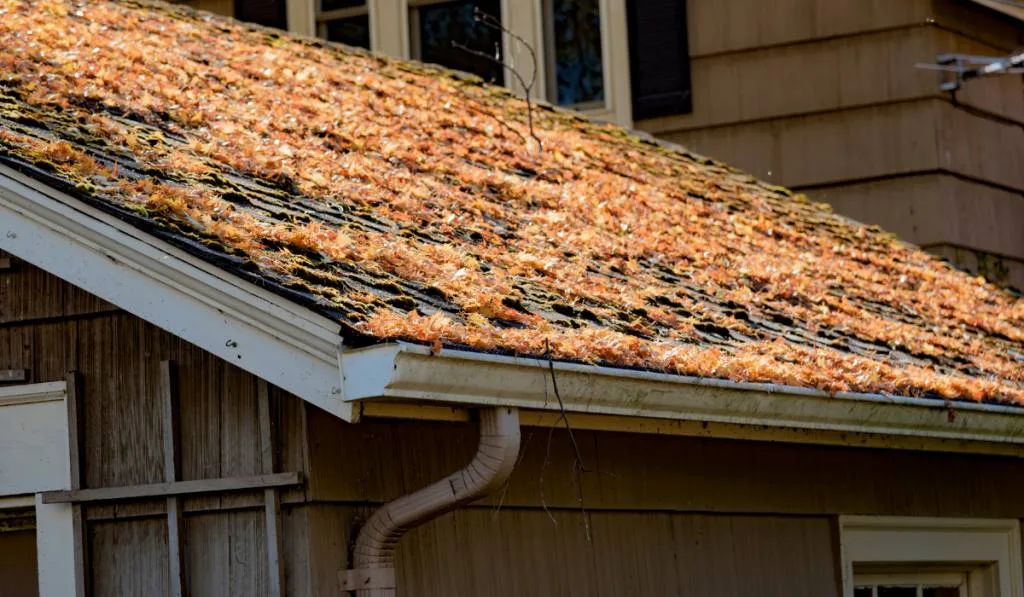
405 201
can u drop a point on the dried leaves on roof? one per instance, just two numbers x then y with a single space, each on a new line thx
407 202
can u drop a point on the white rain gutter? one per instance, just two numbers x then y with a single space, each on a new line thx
409 374
373 561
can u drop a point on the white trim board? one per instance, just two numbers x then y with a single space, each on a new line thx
288 346
994 545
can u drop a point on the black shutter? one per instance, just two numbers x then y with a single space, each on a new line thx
269 13
659 58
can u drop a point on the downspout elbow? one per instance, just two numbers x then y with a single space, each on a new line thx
374 554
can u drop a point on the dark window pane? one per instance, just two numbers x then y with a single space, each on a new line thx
269 13
442 24
940 592
897 591
326 5
579 73
659 59
862 592
354 31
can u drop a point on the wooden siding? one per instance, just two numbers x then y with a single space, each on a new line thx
832 74
962 220
564 553
48 328
667 473
854 145
1000 268
719 27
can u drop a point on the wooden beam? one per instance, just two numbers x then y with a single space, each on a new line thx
162 490
75 401
271 497
13 375
172 472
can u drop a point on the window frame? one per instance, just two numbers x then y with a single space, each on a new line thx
987 550
390 34
59 537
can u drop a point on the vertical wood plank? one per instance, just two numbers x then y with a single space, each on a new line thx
271 497
76 440
172 472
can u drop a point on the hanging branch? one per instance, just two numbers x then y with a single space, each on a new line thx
489 21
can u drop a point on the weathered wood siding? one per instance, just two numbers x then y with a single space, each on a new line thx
48 328
828 101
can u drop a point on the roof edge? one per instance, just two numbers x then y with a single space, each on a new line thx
283 343
413 375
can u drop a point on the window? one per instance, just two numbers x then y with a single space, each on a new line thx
586 49
575 61
911 584
659 58
450 34
344 21
930 557
269 13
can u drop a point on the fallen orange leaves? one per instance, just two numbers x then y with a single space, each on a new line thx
409 201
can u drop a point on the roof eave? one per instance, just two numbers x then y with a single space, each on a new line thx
245 325
413 375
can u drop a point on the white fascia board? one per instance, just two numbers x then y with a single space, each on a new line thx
287 345
403 372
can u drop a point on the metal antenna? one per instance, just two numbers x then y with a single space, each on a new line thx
960 68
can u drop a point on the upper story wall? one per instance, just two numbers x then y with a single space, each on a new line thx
828 101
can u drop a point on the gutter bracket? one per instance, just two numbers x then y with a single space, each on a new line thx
367 578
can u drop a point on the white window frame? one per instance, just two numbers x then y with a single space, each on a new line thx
987 550
959 579
58 526
389 34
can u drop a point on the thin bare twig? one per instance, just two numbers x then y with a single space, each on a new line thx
492 22
578 467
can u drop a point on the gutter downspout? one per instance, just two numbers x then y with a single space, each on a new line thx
373 569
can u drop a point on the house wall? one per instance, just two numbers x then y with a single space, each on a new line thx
651 515
828 101
648 515
48 328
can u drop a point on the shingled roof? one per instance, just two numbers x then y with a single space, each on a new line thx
408 202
